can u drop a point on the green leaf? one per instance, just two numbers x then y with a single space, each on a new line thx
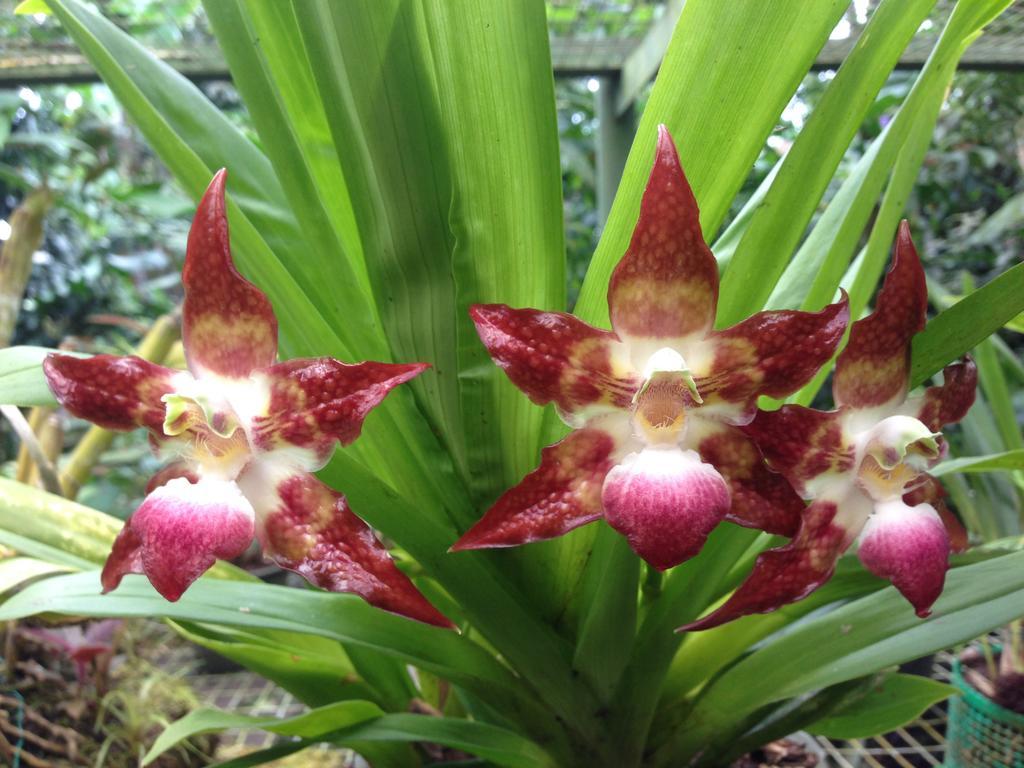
813 275
727 74
21 376
32 7
344 618
894 702
995 462
859 638
315 723
352 722
780 221
953 332
15 571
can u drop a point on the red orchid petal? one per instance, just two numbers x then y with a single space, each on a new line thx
308 528
910 547
788 573
875 366
801 443
761 498
173 470
555 357
948 403
228 325
666 285
118 393
665 501
315 402
563 493
772 353
930 491
180 531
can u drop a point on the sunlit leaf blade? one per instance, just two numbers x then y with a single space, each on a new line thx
807 168
21 376
956 330
353 721
996 462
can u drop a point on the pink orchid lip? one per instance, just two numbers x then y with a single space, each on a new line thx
910 547
666 502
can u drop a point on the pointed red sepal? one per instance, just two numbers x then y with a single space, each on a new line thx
930 491
910 547
788 573
950 401
666 502
178 532
556 358
772 353
761 498
666 285
801 443
228 325
874 368
316 402
308 528
563 493
119 393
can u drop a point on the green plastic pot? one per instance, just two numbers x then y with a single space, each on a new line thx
981 733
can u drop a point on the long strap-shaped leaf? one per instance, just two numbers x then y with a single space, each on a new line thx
352 722
779 223
859 638
814 273
727 74
340 617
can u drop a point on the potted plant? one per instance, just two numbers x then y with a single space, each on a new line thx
613 573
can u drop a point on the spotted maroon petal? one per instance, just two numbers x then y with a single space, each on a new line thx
761 498
228 325
118 393
771 353
910 547
556 358
308 528
181 530
874 368
930 491
788 573
666 285
665 501
315 402
801 443
563 493
950 401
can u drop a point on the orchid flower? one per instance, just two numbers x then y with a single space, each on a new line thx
864 464
80 646
243 433
654 403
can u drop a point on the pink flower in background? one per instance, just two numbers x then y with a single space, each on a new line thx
656 402
243 433
864 464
